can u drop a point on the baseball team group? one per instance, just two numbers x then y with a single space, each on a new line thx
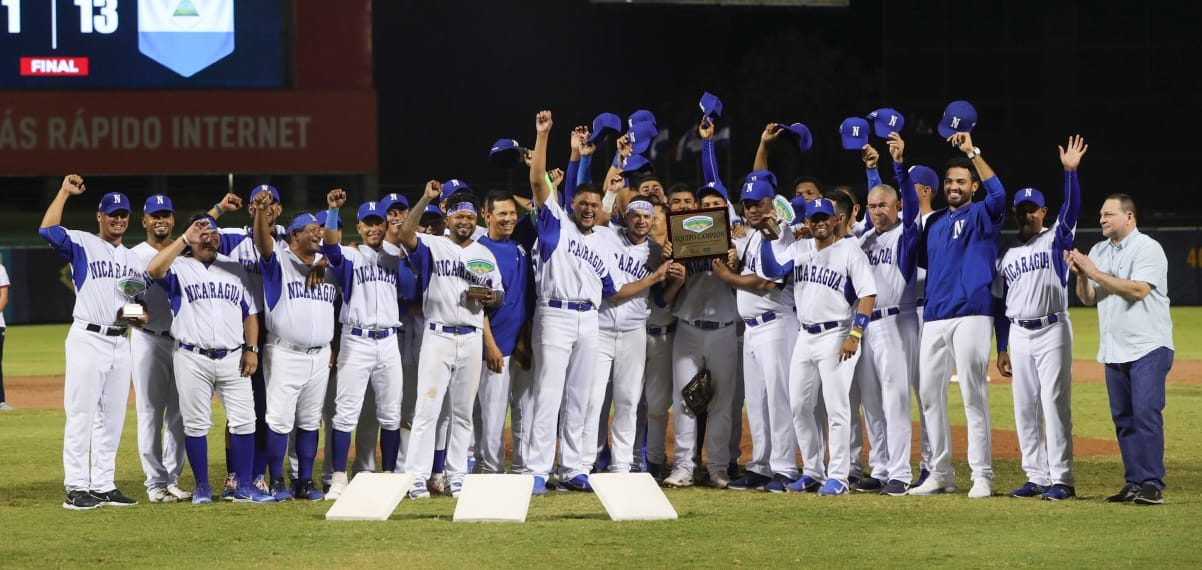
569 318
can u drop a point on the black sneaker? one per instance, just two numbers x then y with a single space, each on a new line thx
895 488
80 501
113 498
1149 494
1125 495
869 485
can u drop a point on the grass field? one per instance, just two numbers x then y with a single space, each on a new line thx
716 528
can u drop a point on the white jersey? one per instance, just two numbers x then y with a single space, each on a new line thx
208 301
372 283
3 284
567 265
629 265
446 270
1032 277
751 305
892 256
296 313
826 282
704 296
96 267
239 244
155 297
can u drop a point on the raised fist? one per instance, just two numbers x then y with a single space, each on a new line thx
73 184
336 198
543 122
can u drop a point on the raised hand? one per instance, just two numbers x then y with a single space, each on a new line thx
543 122
230 203
624 147
1070 154
262 201
706 129
73 184
194 231
336 198
897 148
434 189
579 135
556 177
961 141
771 131
870 156
615 184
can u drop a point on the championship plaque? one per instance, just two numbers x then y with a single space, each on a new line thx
478 292
783 210
699 233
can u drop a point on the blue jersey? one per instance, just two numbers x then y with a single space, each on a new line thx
518 305
960 255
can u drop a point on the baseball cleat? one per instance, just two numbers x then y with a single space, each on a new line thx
419 491
231 485
1125 495
982 488
895 488
778 483
540 486
657 471
80 501
5 407
280 491
178 493
1149 494
113 498
578 483
719 479
869 485
305 489
680 477
454 488
160 495
833 487
251 494
750 480
922 478
1059 492
805 484
337 486
202 495
1028 490
934 485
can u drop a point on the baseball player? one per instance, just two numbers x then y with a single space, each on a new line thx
453 271
960 254
1032 286
97 349
888 359
373 283
160 425
215 323
825 273
661 332
766 308
300 325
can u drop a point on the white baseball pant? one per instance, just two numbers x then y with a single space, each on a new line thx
95 393
361 361
692 350
964 343
296 386
197 377
448 372
766 350
160 425
816 372
1042 364
492 400
886 366
521 411
565 361
657 391
624 353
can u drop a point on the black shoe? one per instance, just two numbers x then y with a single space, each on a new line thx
1125 495
1149 494
80 501
113 498
869 485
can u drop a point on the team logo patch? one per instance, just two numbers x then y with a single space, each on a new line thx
784 209
480 266
697 224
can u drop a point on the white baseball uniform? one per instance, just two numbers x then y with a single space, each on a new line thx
657 375
827 284
452 348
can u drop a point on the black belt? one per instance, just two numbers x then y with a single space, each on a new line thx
878 314
372 334
709 325
1036 324
164 334
213 353
570 305
764 318
922 302
661 331
106 331
452 330
816 328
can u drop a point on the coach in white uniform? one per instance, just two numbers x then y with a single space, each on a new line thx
215 322
96 388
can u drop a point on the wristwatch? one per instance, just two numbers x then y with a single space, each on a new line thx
251 348
975 152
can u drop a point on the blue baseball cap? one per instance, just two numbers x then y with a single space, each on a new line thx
260 188
301 221
762 174
819 206
885 121
158 203
452 186
958 117
432 209
505 153
640 116
113 202
198 217
1029 195
712 189
369 209
641 135
711 105
606 124
800 132
756 190
854 132
924 175
637 163
391 201
799 209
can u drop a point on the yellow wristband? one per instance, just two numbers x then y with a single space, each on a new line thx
855 334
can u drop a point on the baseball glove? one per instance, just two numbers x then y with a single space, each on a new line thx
697 393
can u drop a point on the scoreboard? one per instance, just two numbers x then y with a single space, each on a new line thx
132 44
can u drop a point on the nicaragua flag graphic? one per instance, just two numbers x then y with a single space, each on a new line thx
186 36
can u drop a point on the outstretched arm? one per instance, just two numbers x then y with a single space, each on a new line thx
771 131
161 262
330 239
229 203
1070 159
72 186
409 228
995 194
264 241
769 265
538 157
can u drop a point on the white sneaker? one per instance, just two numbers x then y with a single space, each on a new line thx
934 485
160 495
178 493
719 479
338 485
680 477
981 489
4 407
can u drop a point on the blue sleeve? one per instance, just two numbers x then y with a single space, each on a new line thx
406 281
1001 325
333 253
995 202
548 231
584 175
569 183
874 177
709 161
60 241
1067 223
907 257
273 280
772 268
343 268
422 264
229 241
607 287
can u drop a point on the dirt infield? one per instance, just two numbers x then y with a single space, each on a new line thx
46 392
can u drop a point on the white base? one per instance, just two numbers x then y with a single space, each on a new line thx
494 498
371 497
631 497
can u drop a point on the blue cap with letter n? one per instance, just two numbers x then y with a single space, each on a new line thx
604 125
641 135
265 188
885 121
1029 195
819 206
393 200
301 221
756 190
854 132
452 186
801 132
958 117
711 105
920 174
369 209
505 153
433 210
637 163
113 202
762 174
157 203
640 116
